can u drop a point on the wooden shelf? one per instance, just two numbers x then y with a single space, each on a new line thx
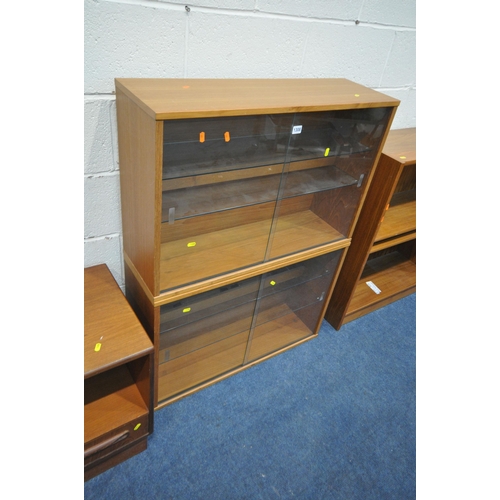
112 399
391 242
393 274
241 246
399 219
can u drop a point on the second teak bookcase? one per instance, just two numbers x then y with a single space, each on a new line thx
381 265
239 199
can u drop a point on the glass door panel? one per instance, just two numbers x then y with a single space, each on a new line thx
288 309
221 178
336 133
195 335
201 306
201 365
198 248
207 145
205 335
329 155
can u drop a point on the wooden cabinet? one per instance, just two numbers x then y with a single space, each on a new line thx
380 266
118 377
239 198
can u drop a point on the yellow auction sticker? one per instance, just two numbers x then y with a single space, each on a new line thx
192 244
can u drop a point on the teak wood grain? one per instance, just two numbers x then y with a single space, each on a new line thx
110 322
118 381
401 145
166 99
139 147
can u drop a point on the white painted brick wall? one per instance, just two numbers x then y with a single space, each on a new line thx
371 42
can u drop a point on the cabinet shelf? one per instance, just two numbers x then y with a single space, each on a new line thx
393 241
112 399
195 147
241 246
393 274
400 218
205 196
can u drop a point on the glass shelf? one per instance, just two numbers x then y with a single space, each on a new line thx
206 197
213 302
198 146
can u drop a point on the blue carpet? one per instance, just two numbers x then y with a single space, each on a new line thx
333 418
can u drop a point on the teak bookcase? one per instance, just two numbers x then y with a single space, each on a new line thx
118 376
239 198
380 266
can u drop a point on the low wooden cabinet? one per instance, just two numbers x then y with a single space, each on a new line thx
239 198
118 377
380 266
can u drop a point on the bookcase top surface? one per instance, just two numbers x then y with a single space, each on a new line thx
401 145
165 98
113 334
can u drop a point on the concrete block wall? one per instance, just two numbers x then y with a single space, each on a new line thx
372 42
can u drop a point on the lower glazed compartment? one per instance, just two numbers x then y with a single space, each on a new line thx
222 339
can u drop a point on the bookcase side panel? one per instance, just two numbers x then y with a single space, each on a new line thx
138 186
364 234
